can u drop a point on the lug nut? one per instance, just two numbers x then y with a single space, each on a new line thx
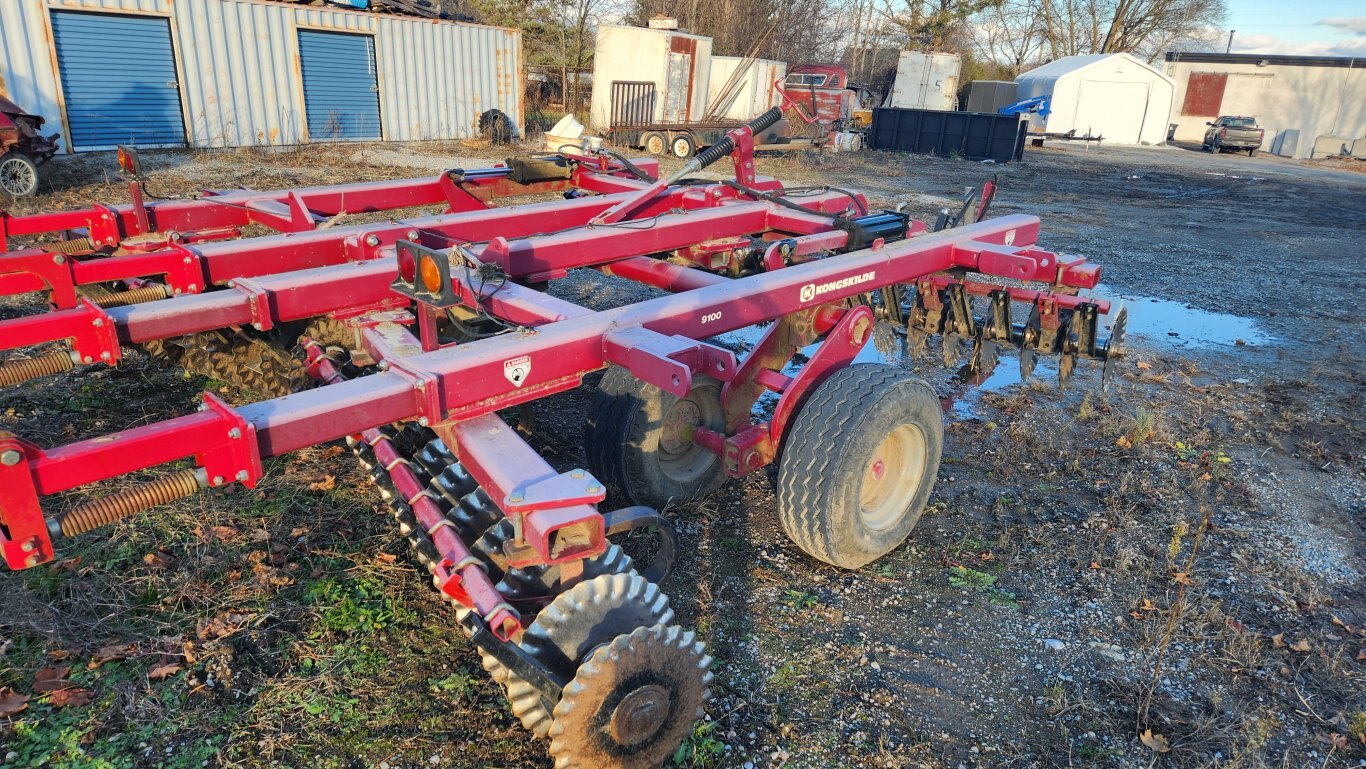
10 458
234 433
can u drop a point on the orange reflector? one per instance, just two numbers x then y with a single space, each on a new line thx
431 274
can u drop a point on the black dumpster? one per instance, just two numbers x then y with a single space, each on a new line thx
972 135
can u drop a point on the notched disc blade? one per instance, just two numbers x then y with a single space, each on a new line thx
1028 357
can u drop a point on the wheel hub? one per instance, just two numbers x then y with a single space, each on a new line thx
679 425
892 477
640 715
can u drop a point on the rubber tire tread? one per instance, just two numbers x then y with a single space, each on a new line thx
611 448
854 398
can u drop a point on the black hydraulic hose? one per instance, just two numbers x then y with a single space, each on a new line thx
726 146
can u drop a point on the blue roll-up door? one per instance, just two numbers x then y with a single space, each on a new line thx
118 80
341 89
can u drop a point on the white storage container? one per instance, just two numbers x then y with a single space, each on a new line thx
925 81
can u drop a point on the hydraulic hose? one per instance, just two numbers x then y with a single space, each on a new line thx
696 163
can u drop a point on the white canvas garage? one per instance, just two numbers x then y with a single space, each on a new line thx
1115 96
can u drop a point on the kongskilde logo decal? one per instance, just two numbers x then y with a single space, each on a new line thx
517 369
812 290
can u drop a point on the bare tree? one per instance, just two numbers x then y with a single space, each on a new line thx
1146 28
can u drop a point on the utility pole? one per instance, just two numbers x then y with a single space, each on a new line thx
1230 41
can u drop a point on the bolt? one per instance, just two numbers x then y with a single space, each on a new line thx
194 287
10 458
88 359
32 560
99 322
105 355
515 498
28 546
258 327
58 259
576 474
242 476
372 240
594 488
425 422
186 260
235 433
412 235
217 481
177 292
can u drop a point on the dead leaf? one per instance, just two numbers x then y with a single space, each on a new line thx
71 698
1148 605
112 652
259 535
51 679
226 533
1124 443
1361 655
1205 476
1278 640
165 670
326 484
386 557
332 451
1143 365
224 624
158 560
12 702
1181 578
1301 645
1155 742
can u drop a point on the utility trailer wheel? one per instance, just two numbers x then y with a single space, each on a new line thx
18 174
638 439
655 143
859 464
683 146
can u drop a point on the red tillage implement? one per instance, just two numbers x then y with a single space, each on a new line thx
440 323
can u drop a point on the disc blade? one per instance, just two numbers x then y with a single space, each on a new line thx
1067 363
1028 357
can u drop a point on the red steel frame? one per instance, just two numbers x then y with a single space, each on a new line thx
457 389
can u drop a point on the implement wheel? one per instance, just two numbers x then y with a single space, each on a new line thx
639 440
859 464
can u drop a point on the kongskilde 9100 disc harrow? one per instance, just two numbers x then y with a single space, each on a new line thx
407 337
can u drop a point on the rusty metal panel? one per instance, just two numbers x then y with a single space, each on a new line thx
1204 93
633 103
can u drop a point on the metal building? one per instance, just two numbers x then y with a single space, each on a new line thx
1310 106
1112 95
225 73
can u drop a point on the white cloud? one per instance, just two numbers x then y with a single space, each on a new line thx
1355 25
1270 44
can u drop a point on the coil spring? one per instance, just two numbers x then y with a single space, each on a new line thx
150 293
16 371
71 247
104 511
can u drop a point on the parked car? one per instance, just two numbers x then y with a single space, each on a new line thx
22 149
1231 132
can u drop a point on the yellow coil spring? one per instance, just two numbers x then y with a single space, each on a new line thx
149 293
121 504
71 247
16 371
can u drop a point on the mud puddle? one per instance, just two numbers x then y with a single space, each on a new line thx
1180 325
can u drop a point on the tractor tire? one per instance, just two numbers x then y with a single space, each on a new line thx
638 440
18 174
859 464
655 143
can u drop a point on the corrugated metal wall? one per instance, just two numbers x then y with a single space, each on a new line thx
239 73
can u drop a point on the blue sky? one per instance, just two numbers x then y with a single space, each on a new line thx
1305 27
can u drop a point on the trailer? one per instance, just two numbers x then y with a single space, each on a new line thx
421 337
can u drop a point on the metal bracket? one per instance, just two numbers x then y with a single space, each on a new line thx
667 362
513 657
258 300
24 537
36 270
238 458
576 487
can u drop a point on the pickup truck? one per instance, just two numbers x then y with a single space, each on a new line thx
1231 132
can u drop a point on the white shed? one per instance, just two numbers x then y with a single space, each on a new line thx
1113 95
